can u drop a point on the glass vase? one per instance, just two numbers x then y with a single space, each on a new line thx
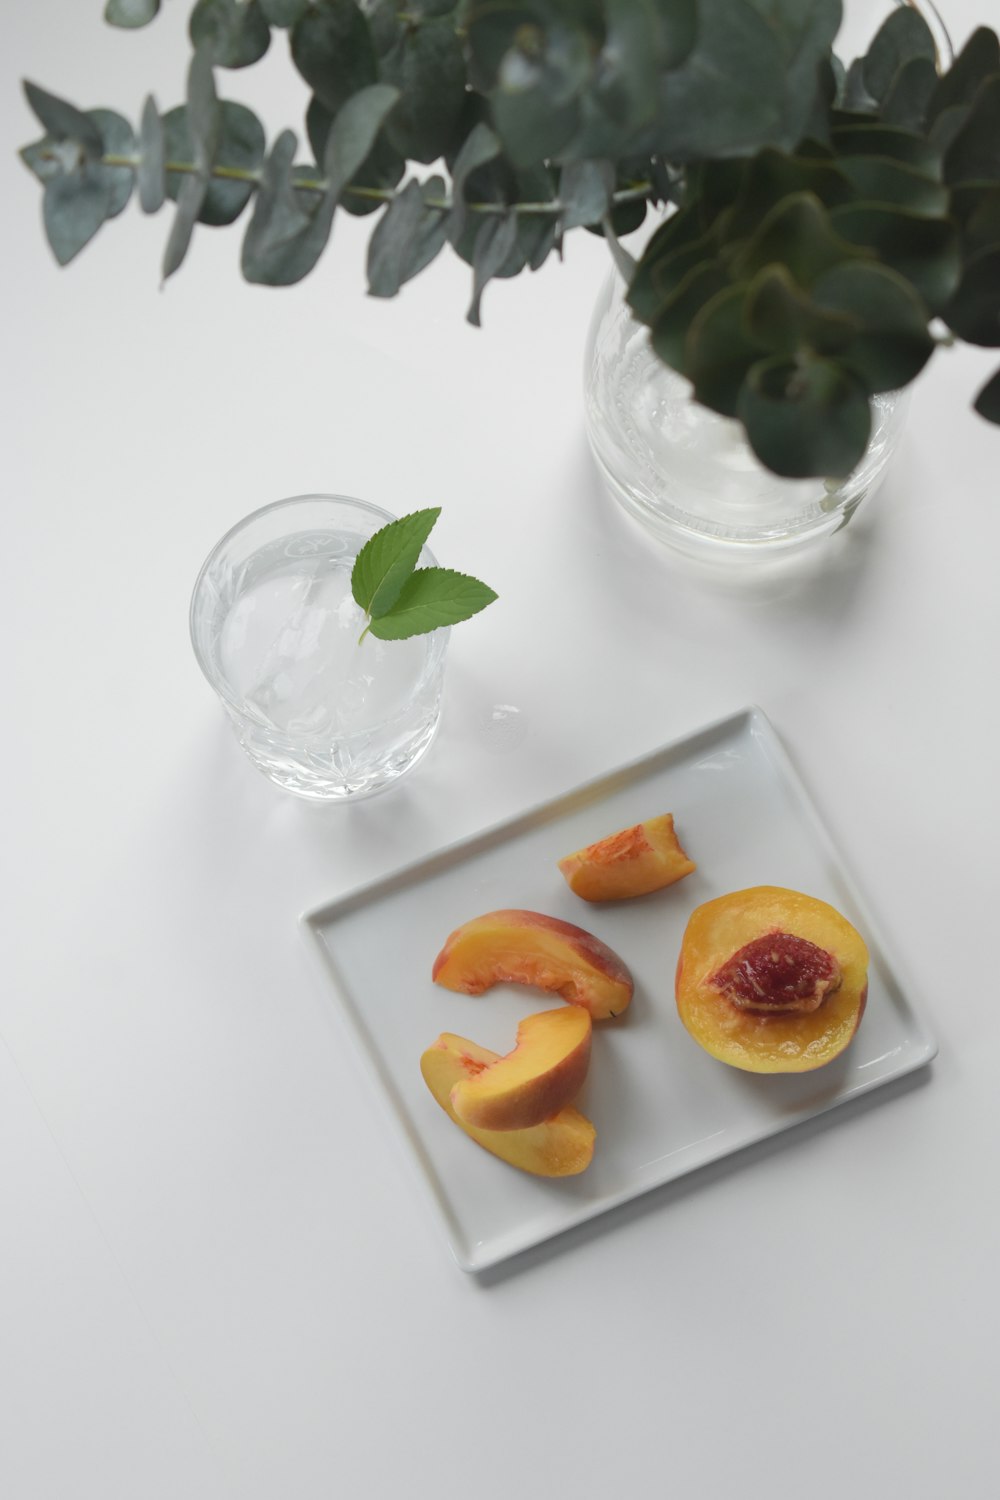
689 475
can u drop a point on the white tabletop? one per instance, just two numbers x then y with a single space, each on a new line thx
217 1277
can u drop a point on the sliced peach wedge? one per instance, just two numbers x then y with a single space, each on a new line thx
561 1146
771 980
544 1072
632 862
527 947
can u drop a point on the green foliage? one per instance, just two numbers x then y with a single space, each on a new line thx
401 599
822 220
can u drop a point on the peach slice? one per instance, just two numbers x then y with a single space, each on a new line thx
545 1071
559 1147
526 947
771 980
633 862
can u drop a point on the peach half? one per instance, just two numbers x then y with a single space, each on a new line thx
558 1147
526 947
632 862
545 1070
771 981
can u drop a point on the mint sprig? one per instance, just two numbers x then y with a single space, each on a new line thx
401 599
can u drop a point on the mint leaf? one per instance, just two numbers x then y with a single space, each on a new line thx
388 558
429 598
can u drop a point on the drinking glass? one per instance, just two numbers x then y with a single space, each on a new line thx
276 631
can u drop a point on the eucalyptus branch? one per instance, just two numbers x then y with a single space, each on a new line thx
830 221
552 208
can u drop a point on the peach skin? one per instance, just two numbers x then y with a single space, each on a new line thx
771 981
545 1071
633 862
526 947
559 1147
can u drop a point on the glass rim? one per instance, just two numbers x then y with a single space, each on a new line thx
219 684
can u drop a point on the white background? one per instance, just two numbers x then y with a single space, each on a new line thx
216 1277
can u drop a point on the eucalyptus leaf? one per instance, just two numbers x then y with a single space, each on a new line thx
669 331
886 140
891 343
773 176
978 59
48 158
74 208
855 95
681 228
385 22
388 558
728 97
974 311
117 139
391 243
189 202
974 154
585 189
491 31
531 124
480 146
269 254
495 242
925 251
63 121
354 132
628 67
151 171
378 174
286 249
284 13
947 127
988 400
805 33
204 115
332 49
801 234
432 231
624 218
905 35
535 102
879 179
670 270
717 186
430 599
908 100
235 32
805 418
719 351
785 320
976 208
240 145
427 66
130 13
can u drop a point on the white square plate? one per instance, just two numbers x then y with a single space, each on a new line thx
662 1106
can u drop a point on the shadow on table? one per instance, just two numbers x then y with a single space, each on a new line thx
822 577
660 1198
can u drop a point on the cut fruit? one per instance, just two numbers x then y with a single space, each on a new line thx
526 947
633 862
560 1147
544 1072
771 981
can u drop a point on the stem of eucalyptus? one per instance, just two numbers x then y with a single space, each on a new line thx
382 195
